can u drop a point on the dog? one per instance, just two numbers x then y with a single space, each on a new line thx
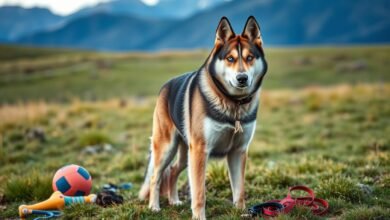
207 113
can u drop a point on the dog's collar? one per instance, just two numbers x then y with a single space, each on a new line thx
245 100
238 100
235 99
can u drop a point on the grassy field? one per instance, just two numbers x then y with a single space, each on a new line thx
48 76
323 122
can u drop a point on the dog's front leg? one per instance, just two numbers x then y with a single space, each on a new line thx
236 162
197 175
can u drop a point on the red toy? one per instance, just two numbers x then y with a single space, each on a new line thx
72 180
272 208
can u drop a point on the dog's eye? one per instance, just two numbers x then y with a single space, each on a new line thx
249 58
230 59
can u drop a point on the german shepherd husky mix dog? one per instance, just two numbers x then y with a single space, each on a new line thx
207 113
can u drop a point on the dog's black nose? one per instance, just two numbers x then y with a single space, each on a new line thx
242 78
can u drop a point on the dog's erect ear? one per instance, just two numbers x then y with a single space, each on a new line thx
224 31
252 31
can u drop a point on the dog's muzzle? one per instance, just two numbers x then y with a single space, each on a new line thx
242 80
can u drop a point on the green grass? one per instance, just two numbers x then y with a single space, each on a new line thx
33 186
332 137
13 52
92 76
93 138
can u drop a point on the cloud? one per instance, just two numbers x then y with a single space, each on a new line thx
59 7
150 2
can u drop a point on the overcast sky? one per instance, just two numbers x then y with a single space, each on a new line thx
62 7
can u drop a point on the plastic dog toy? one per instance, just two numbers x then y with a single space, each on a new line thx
56 201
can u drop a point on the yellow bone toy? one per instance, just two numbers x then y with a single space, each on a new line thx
56 201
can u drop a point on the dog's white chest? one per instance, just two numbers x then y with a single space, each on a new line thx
221 139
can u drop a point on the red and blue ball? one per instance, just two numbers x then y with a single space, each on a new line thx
72 180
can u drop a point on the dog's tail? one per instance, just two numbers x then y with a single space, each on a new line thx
144 192
165 180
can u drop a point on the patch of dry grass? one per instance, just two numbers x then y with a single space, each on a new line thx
22 113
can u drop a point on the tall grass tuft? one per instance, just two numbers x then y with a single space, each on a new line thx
366 213
93 138
34 186
340 187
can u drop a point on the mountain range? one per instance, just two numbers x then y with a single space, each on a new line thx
123 25
17 21
165 9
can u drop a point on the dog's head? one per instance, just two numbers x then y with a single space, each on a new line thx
237 63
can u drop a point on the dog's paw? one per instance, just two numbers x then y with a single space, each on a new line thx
143 193
197 217
240 205
154 208
177 202
142 197
199 214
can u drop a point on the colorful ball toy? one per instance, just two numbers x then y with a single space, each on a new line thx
72 180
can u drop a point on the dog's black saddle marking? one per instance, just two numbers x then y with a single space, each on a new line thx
177 88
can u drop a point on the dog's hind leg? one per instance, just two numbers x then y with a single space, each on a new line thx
176 169
165 182
160 162
164 147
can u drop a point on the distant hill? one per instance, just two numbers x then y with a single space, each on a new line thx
282 22
165 9
101 32
16 21
289 23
